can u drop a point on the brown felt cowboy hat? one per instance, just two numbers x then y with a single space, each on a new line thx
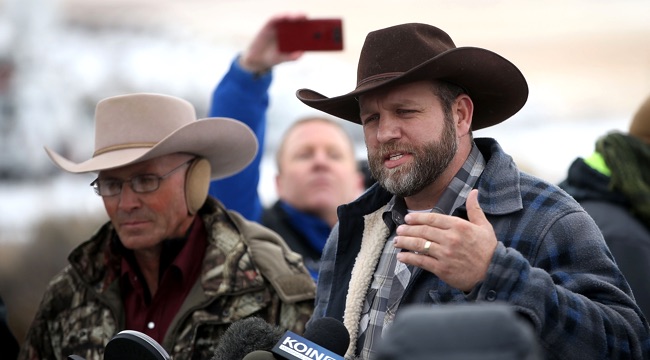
412 52
136 127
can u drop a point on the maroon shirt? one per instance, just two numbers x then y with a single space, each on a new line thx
180 266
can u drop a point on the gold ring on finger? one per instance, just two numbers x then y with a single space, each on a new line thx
427 245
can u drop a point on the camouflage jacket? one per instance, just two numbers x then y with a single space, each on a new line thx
247 270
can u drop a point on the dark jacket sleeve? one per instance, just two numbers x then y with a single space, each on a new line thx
572 292
8 342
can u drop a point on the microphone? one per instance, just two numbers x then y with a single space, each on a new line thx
246 336
134 345
324 339
131 345
255 339
260 355
329 333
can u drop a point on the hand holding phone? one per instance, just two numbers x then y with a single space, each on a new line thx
310 35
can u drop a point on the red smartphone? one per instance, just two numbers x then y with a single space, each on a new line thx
310 35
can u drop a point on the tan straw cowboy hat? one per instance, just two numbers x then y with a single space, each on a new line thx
412 52
137 127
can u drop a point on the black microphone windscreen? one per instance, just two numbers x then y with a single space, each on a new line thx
134 345
260 355
245 336
328 333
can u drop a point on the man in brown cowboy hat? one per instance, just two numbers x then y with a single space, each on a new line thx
171 263
452 219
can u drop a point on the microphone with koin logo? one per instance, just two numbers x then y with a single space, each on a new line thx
324 339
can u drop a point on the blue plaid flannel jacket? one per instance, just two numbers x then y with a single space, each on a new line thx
551 264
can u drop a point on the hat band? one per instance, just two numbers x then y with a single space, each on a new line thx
122 147
378 77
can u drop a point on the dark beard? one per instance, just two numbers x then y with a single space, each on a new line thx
429 162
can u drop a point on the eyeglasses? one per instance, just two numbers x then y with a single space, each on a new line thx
140 184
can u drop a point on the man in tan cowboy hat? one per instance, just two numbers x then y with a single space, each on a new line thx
452 219
171 262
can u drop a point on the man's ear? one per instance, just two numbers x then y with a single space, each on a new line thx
463 111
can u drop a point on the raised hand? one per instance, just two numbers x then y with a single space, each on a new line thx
262 53
458 251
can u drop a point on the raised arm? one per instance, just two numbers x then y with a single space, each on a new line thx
243 94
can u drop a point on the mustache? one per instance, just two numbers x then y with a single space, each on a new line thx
135 215
387 149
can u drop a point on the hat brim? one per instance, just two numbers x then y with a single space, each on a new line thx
229 145
495 85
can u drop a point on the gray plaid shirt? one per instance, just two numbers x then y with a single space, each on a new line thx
391 277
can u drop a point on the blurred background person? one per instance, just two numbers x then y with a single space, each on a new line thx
316 165
613 186
171 263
